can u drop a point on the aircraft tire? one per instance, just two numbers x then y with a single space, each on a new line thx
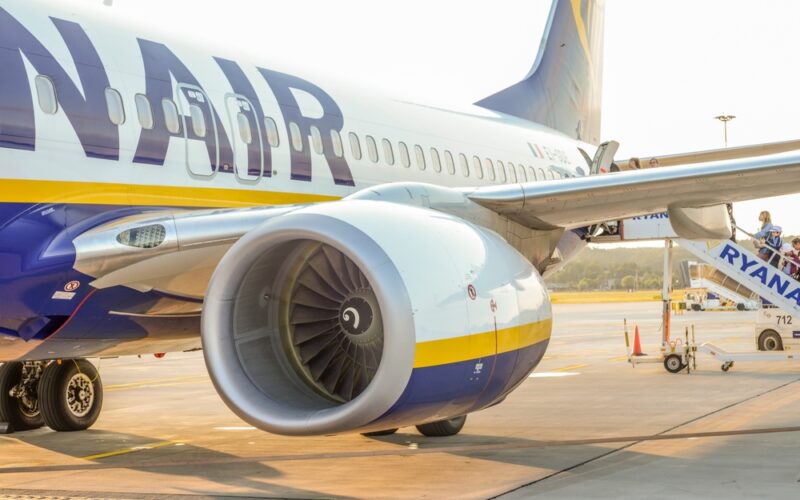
443 428
70 395
19 416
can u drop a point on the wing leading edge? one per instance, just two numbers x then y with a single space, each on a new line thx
582 201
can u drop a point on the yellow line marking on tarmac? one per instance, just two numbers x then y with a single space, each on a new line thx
133 449
568 368
156 383
619 358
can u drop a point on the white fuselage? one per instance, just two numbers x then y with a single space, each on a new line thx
535 152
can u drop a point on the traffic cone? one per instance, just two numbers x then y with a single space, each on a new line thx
637 344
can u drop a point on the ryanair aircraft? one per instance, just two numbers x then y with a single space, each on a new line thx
346 263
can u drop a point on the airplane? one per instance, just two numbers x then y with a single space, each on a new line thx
346 262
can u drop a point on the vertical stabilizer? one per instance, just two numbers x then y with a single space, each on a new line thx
563 89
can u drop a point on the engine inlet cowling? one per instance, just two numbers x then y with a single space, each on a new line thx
296 322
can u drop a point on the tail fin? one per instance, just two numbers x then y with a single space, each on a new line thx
563 89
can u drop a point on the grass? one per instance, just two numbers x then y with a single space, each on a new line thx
611 296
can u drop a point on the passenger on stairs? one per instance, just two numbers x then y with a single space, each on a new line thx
763 233
792 255
771 250
765 219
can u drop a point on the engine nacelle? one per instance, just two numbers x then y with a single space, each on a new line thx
360 315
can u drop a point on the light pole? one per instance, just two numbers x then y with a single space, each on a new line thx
725 119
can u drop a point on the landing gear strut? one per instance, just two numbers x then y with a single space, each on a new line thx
64 395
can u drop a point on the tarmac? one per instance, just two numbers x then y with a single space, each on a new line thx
585 424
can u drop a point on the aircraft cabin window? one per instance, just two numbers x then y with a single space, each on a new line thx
436 161
501 169
116 110
420 154
272 132
245 132
46 93
336 140
297 138
531 174
451 165
462 159
476 163
550 174
512 174
171 116
490 169
405 159
316 140
198 120
355 146
372 149
541 174
388 152
523 177
145 111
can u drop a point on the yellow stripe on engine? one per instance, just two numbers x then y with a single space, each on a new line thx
479 345
37 191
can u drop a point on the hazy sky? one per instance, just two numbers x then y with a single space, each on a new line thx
670 65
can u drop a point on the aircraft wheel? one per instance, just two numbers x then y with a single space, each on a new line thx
696 307
770 340
442 428
71 395
385 432
21 413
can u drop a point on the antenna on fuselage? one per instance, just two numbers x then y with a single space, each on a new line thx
108 3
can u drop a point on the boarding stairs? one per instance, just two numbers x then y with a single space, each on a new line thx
706 276
742 265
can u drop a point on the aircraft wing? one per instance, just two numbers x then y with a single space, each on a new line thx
709 155
583 201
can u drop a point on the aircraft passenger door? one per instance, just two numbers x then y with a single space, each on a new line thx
199 130
603 157
247 142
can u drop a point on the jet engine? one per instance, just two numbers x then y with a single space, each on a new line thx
362 315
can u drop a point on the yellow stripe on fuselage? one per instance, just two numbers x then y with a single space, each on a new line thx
37 191
479 345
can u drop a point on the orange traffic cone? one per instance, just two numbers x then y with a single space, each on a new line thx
637 344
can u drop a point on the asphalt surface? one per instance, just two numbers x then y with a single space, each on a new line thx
586 424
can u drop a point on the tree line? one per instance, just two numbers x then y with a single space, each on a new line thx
621 269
